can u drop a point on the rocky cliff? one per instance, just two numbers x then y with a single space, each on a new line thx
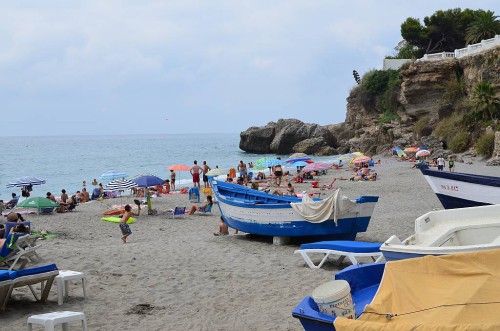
427 93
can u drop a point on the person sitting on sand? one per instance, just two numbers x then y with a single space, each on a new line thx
84 196
124 227
51 197
372 176
195 208
12 202
64 195
223 228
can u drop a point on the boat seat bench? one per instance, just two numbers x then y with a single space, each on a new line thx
343 248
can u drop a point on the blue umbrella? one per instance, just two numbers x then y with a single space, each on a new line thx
299 164
113 174
148 180
26 181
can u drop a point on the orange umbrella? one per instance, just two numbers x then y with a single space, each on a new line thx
179 167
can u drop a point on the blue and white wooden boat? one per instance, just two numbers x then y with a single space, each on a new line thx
260 213
364 281
448 231
460 190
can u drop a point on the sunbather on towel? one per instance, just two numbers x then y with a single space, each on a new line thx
195 208
124 227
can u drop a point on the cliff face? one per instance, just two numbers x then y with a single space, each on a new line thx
428 92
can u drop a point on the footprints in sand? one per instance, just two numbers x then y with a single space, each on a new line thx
144 309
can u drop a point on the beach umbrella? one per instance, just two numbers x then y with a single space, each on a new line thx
267 162
422 152
299 164
412 149
120 185
217 172
179 167
297 159
26 181
148 180
112 174
38 203
317 166
360 159
297 155
358 153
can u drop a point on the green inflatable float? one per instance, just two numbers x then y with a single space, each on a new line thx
114 219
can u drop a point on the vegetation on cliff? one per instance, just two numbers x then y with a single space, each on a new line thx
445 31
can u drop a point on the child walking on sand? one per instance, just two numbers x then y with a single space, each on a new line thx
124 227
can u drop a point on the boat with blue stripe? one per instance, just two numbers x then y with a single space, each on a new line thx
260 213
461 190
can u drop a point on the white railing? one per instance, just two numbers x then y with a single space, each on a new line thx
471 49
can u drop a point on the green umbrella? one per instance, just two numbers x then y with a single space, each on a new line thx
38 202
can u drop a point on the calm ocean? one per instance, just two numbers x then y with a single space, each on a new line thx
65 161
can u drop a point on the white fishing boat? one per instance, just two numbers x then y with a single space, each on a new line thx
447 232
460 190
256 212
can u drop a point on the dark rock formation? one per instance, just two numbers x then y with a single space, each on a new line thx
288 136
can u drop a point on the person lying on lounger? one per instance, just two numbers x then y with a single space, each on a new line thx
202 209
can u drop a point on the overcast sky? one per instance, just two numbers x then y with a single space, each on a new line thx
118 67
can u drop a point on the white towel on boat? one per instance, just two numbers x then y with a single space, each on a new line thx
315 211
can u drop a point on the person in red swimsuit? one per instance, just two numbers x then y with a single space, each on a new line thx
195 171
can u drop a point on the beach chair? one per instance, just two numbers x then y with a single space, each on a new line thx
206 212
44 276
177 211
10 225
18 248
350 249
194 194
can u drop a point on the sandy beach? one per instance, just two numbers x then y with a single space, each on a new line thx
174 274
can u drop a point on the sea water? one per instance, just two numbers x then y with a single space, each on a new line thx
66 161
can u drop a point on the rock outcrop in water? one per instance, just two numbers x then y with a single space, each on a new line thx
288 136
424 93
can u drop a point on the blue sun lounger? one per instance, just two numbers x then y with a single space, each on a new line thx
349 249
9 280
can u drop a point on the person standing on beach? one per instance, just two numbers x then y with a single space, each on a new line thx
172 180
195 172
124 227
206 169
242 170
440 163
451 165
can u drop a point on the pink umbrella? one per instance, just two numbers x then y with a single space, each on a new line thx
317 166
422 152
360 159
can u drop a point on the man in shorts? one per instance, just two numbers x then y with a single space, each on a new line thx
440 163
206 169
242 169
195 171
124 227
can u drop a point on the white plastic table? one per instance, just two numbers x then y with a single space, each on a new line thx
50 320
62 281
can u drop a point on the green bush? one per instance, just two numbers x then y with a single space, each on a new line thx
421 125
460 142
485 144
448 126
376 81
387 117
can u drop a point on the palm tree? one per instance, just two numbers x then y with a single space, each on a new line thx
486 25
486 100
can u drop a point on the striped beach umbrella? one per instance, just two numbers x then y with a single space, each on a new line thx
26 181
422 152
119 185
360 159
